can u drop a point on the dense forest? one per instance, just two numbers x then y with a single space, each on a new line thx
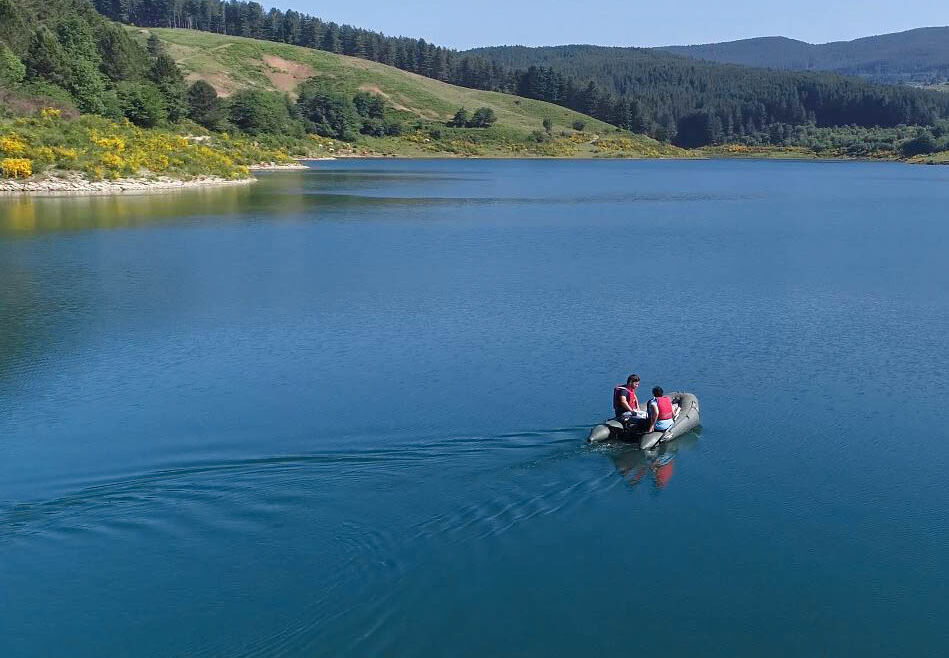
697 102
919 56
672 98
62 53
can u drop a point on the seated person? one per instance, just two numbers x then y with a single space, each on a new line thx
662 412
625 404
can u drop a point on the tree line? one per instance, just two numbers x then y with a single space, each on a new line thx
63 53
669 97
696 103
250 19
69 52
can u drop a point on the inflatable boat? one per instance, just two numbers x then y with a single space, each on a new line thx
685 421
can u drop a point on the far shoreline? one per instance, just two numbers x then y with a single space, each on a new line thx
76 184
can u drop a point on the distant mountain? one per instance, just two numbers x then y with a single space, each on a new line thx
918 56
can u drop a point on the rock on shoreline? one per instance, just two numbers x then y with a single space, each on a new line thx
263 166
78 184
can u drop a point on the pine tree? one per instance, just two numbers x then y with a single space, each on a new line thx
460 120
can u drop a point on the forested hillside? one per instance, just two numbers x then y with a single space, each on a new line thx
82 95
189 101
384 108
918 56
697 103
60 59
669 97
63 53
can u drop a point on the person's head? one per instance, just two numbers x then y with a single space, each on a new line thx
632 380
657 391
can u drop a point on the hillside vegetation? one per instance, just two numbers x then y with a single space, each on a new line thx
423 106
668 97
59 58
919 56
696 103
80 94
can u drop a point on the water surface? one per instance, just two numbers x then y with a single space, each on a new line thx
341 412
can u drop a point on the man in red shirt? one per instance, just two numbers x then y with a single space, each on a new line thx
625 404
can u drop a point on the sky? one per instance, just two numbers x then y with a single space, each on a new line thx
617 23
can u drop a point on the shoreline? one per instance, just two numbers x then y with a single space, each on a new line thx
79 185
273 166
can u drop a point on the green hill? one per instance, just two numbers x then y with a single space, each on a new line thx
698 102
919 56
232 63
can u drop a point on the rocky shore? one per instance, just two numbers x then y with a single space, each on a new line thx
78 184
265 166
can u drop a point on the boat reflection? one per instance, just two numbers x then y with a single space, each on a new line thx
634 464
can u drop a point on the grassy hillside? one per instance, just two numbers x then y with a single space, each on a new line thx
231 63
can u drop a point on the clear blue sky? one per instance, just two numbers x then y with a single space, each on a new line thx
624 23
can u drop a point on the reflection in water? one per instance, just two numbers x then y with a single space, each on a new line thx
40 214
634 464
305 193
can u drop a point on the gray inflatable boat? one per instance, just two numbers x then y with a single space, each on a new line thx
686 421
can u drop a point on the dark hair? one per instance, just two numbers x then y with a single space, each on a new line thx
657 391
632 378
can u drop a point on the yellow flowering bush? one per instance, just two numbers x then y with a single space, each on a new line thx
50 113
113 143
16 167
112 161
65 154
43 154
12 144
101 148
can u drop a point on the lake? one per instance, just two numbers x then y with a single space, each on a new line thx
342 412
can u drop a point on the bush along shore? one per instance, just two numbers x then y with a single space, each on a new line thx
90 153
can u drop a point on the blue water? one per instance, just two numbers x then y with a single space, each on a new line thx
341 412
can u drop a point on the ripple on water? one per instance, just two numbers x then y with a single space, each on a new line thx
332 506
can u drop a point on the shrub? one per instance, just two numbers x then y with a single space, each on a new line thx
103 148
372 127
141 104
48 93
166 76
920 145
579 125
369 105
331 114
16 167
460 120
12 70
12 145
204 106
482 118
255 112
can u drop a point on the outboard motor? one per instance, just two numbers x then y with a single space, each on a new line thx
605 431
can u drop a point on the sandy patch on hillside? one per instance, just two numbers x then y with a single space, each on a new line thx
223 84
284 74
396 104
373 89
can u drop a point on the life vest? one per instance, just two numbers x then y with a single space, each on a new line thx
662 471
664 405
617 394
